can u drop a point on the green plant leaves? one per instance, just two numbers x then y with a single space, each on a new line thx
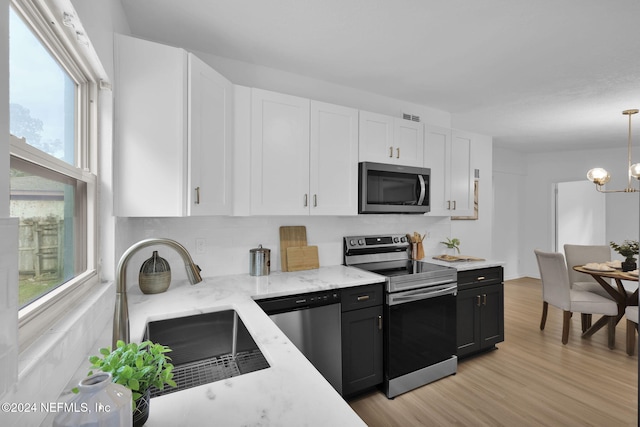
136 366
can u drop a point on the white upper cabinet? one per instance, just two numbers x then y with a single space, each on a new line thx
386 139
279 154
448 154
173 133
210 140
304 156
333 162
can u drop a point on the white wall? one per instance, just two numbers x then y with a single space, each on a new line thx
509 180
251 75
524 201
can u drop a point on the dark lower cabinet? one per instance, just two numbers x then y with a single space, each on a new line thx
480 308
361 338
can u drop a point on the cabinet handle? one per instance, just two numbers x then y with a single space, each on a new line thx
454 205
478 302
391 152
481 278
197 195
379 323
363 298
315 200
484 299
398 153
449 204
306 203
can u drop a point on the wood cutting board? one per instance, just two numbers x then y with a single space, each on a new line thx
302 258
455 258
295 235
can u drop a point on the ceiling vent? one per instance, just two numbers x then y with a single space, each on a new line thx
410 117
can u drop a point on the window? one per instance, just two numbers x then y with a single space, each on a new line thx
52 185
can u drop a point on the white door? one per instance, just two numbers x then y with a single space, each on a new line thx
210 140
408 145
376 138
279 154
580 215
333 163
461 190
437 158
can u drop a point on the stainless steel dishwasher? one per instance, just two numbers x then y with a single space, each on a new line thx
313 323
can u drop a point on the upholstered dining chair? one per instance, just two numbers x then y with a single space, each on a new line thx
557 291
631 312
581 255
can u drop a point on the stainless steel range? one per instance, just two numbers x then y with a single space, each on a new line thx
420 311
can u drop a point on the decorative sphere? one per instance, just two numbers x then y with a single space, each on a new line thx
598 176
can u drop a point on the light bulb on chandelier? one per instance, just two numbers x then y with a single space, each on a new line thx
600 176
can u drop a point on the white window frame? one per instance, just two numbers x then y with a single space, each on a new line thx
64 42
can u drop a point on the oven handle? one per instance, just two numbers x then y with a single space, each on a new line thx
421 294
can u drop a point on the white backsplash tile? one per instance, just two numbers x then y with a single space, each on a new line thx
229 239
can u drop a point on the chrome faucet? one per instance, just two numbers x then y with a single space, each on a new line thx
121 314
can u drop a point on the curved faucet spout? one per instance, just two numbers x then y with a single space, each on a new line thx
121 314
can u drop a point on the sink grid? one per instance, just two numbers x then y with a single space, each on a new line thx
213 369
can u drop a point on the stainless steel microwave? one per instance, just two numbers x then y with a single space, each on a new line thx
385 188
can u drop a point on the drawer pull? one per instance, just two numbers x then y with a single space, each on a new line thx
363 298
481 277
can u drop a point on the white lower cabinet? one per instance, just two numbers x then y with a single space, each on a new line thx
303 156
448 154
173 133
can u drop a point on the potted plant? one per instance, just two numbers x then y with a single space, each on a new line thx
628 249
453 243
137 367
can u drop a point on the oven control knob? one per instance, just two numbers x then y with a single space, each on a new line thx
396 240
360 241
403 239
352 242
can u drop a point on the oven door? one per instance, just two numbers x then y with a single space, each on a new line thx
420 329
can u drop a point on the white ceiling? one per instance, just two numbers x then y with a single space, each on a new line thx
537 75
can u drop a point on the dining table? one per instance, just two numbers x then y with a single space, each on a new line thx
618 292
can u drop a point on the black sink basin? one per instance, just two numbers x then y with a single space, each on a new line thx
206 348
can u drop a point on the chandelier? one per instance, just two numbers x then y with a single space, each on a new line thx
600 176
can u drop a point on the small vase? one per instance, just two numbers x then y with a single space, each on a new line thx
99 403
141 413
155 275
629 264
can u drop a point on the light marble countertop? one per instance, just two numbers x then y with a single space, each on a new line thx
291 392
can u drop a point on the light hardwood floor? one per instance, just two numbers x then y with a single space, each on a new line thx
531 380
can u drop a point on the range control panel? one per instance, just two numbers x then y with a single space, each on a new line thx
386 241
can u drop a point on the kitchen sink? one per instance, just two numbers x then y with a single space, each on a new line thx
206 348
